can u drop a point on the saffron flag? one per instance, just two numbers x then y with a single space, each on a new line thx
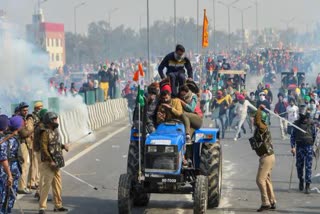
205 32
139 77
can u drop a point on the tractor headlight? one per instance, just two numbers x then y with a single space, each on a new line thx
169 149
152 148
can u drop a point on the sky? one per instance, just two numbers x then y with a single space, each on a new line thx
272 13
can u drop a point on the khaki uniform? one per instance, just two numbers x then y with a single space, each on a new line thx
35 155
51 151
266 164
26 136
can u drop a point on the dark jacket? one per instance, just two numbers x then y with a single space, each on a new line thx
281 108
104 76
173 65
300 138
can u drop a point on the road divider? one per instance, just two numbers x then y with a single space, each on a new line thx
78 122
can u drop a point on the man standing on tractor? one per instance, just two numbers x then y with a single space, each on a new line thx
176 64
226 65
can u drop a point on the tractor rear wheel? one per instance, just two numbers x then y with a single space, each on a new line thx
125 194
211 166
200 195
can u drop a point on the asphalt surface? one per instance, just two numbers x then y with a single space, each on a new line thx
101 167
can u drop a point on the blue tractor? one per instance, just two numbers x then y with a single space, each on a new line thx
155 165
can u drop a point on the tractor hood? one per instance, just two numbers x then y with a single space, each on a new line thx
167 134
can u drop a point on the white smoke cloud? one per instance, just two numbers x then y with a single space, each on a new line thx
24 76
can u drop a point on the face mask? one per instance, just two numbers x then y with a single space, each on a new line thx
55 125
252 97
262 98
178 58
112 67
220 63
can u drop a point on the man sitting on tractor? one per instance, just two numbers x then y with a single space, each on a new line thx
176 63
149 111
169 108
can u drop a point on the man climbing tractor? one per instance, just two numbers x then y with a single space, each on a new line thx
176 63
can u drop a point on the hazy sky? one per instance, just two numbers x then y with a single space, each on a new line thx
271 12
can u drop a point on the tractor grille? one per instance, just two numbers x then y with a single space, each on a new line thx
161 160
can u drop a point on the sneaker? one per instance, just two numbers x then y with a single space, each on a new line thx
264 208
42 212
235 139
24 192
61 209
273 206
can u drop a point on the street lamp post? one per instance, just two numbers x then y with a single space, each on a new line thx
110 12
228 7
242 24
197 26
175 21
214 23
148 41
75 15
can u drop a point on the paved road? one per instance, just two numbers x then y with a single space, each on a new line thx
102 165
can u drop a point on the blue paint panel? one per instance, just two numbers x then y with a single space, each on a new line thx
206 131
133 138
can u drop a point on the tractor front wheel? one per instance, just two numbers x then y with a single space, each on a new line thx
200 195
125 194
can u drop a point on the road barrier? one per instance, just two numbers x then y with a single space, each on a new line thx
78 122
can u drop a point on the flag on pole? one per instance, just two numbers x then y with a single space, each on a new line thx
139 78
205 33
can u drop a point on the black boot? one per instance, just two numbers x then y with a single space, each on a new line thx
301 185
307 188
263 208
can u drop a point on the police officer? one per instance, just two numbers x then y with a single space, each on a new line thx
51 162
301 145
266 162
10 166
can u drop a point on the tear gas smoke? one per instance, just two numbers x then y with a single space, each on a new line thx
25 77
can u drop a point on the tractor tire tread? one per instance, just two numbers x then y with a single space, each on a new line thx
200 195
124 194
209 166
